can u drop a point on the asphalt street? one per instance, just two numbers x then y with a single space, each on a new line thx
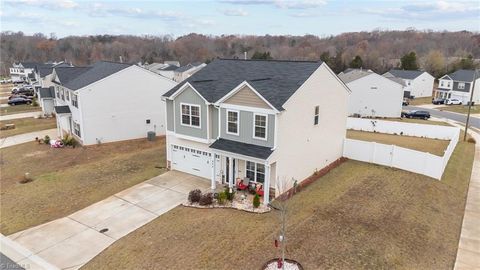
474 121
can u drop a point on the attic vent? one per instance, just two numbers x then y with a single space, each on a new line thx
262 79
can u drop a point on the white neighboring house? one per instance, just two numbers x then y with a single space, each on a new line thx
44 72
459 85
166 70
280 120
19 72
108 102
46 99
372 94
417 83
182 73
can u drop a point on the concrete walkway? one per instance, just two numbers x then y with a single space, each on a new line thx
468 255
27 137
19 115
72 241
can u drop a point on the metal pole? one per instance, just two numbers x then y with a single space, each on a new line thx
470 104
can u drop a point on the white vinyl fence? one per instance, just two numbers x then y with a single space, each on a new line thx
399 157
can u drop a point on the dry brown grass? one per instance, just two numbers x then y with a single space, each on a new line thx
19 109
358 216
66 180
25 125
421 101
417 121
436 147
461 109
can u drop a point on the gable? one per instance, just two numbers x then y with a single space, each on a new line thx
246 97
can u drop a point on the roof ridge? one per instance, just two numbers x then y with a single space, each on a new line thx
271 60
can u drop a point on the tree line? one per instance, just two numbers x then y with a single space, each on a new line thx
435 52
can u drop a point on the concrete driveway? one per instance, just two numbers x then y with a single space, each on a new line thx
72 241
27 137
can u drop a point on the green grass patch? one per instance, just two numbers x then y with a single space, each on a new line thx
26 125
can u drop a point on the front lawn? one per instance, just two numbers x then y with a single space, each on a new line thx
25 125
417 121
19 109
67 180
436 147
460 109
420 101
358 216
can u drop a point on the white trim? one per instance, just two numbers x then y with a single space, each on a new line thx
275 135
266 126
237 156
238 122
208 123
190 114
186 137
219 116
255 171
240 86
182 88
174 115
247 108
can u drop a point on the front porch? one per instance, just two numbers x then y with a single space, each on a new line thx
243 167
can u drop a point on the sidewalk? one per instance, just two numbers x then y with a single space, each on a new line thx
19 115
27 137
468 254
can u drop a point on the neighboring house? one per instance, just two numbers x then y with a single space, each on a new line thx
46 99
44 72
459 85
372 95
19 72
256 120
165 70
108 102
417 83
182 73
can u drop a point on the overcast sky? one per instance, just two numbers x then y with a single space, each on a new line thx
258 17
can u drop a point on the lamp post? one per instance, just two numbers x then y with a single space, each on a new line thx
470 104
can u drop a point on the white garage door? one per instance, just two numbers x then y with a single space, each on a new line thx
191 161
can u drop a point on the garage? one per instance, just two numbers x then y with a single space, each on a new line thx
191 161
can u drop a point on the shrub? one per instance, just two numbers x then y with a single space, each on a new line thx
46 139
229 195
222 198
68 140
256 201
194 196
471 140
34 102
206 199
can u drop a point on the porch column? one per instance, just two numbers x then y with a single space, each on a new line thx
230 172
266 186
213 186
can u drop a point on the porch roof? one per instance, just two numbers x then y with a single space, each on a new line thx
251 150
62 109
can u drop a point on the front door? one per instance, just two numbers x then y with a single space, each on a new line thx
228 162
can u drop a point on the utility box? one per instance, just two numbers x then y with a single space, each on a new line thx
151 135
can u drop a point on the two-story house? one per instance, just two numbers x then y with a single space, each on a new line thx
459 85
186 71
417 83
256 120
108 102
20 72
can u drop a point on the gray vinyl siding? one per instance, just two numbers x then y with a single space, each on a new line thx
213 122
191 97
246 129
455 87
169 108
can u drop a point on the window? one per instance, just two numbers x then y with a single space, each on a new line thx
260 126
255 171
147 121
62 92
316 116
76 129
232 122
75 100
67 95
190 115
57 91
441 83
461 85
448 84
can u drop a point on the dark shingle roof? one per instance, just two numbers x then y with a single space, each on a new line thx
245 149
47 69
406 74
29 64
62 109
169 68
75 78
47 92
462 75
276 80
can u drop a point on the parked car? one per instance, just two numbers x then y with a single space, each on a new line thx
18 101
20 96
453 101
23 91
405 102
416 114
438 101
